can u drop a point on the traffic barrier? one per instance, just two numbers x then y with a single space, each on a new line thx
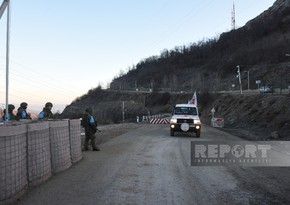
217 122
149 117
159 121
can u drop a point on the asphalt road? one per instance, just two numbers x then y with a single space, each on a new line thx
147 166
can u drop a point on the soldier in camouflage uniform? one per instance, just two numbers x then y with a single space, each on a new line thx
90 125
21 113
11 116
46 111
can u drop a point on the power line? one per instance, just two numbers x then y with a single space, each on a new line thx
157 12
33 82
41 75
178 25
36 84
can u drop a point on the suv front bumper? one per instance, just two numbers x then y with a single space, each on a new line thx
185 127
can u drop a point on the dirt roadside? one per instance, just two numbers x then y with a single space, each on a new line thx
252 117
147 166
110 131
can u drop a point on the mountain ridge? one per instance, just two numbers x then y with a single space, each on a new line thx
207 66
263 41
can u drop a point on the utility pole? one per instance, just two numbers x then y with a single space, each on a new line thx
123 110
240 80
6 4
248 73
288 55
3 7
151 86
248 80
136 85
281 82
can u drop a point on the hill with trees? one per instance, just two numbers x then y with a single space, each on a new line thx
259 48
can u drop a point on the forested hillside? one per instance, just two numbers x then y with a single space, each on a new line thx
258 47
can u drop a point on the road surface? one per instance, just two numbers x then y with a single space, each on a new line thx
147 166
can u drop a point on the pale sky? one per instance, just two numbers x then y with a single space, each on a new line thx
61 49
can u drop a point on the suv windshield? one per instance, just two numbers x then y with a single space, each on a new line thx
185 111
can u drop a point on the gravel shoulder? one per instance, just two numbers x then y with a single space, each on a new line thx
114 130
111 131
146 165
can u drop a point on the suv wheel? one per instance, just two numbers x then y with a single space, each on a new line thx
198 133
171 132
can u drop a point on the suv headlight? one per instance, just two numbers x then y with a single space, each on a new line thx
173 120
196 121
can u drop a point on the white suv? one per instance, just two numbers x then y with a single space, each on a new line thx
185 118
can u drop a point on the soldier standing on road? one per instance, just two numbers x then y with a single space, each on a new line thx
46 111
10 116
21 113
90 125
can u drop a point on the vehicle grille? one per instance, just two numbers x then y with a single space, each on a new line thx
184 120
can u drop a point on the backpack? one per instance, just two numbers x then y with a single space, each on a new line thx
92 123
41 115
88 122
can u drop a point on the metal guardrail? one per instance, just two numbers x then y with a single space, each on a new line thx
256 92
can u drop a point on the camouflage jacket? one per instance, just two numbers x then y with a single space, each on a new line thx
22 114
89 123
45 114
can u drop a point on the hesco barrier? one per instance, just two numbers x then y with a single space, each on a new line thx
31 151
39 163
75 142
59 145
13 163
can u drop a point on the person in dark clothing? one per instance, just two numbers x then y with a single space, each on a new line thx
21 112
90 125
46 111
10 116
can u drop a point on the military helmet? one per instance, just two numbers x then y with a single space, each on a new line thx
89 110
48 104
11 107
24 105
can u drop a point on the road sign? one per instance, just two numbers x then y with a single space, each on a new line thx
218 122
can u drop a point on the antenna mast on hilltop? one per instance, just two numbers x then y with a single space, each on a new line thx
233 17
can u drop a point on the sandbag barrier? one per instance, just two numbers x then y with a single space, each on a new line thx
30 152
